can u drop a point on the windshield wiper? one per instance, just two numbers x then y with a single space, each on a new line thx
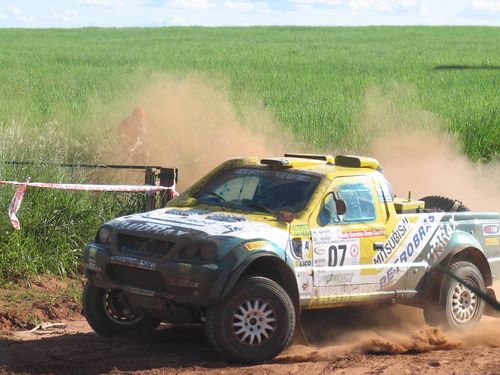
214 194
254 204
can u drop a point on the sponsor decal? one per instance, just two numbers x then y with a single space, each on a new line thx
304 280
321 262
337 253
184 282
303 263
491 229
226 218
319 251
301 230
392 243
354 250
336 299
491 241
134 262
440 239
232 229
412 246
297 248
326 235
300 248
336 278
185 267
257 245
266 172
364 233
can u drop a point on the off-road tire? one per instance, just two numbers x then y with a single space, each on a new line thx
221 321
441 313
436 202
94 309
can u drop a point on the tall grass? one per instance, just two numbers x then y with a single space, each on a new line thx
54 224
56 82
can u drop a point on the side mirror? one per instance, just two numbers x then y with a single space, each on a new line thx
340 205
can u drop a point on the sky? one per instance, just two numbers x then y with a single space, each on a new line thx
157 13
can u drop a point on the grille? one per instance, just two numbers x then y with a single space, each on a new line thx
143 246
135 277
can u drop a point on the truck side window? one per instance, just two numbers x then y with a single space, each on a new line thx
359 201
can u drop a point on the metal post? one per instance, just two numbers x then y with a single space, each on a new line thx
168 176
149 179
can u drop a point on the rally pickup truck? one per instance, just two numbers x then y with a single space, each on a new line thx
257 241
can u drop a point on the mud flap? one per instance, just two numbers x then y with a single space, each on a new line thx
299 337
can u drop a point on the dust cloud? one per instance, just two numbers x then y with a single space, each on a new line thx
417 155
422 340
382 330
191 124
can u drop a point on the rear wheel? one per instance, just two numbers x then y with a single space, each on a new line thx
109 314
254 323
459 308
436 202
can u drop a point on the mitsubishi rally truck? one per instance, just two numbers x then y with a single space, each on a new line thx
255 242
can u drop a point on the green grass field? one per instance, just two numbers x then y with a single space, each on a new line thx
313 80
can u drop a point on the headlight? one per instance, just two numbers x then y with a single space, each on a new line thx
198 251
104 235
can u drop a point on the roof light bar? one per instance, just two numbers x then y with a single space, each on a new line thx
276 163
328 158
353 161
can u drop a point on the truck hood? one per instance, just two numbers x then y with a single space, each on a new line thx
198 224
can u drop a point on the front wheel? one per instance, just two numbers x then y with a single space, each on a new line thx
459 308
254 322
108 313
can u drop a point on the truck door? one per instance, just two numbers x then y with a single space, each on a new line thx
345 246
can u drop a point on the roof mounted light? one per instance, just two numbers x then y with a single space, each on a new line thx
276 163
353 161
328 158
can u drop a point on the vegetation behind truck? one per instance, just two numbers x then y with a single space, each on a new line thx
255 242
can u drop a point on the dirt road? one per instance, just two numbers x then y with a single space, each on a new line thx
378 340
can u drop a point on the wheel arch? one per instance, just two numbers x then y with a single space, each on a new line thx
470 254
272 267
476 257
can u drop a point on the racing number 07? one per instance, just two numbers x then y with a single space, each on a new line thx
333 255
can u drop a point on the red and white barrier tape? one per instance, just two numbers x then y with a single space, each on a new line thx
15 204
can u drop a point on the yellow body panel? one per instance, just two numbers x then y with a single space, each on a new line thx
362 237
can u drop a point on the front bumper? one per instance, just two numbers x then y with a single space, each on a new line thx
181 282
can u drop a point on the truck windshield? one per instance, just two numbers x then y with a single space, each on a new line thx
260 189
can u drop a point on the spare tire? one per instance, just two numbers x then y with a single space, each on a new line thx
443 204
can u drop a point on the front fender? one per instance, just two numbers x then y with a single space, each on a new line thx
238 260
242 267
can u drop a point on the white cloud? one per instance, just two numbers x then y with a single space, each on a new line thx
240 5
424 9
246 6
492 6
406 3
66 15
391 7
14 13
13 10
192 4
319 2
102 3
